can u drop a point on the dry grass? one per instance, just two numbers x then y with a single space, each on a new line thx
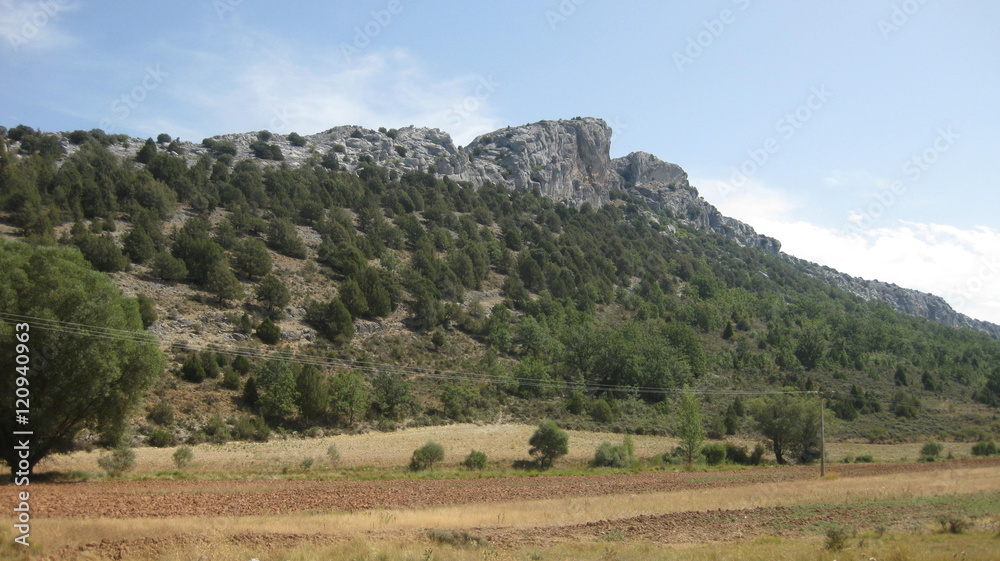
502 443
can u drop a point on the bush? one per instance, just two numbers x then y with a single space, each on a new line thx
183 456
984 448
837 538
457 538
548 443
600 411
118 461
475 460
241 364
161 438
737 454
715 453
169 268
162 414
757 456
931 451
864 459
231 380
611 455
307 463
295 139
426 456
192 370
333 454
268 332
147 311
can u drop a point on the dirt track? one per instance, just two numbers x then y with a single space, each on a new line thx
141 499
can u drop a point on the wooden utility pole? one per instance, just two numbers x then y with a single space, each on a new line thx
822 437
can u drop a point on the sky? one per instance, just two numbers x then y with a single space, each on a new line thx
863 134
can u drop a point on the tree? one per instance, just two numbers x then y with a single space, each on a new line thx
281 236
789 422
272 293
426 456
349 395
689 429
268 332
392 394
352 297
169 268
313 394
331 319
548 443
77 380
223 283
147 152
251 258
277 384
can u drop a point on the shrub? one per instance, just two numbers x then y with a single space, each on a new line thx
457 538
837 538
192 370
147 311
953 525
118 461
611 455
241 364
737 454
548 443
268 332
984 448
333 454
475 460
183 456
307 463
161 438
295 139
757 456
426 456
162 414
169 268
231 380
600 411
931 451
864 459
715 453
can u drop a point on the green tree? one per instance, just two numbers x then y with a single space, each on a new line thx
392 394
272 293
77 380
331 319
268 332
426 456
689 428
548 443
313 393
147 152
169 268
349 395
251 258
222 283
352 297
277 386
281 236
789 422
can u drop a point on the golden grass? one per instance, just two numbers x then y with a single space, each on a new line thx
502 443
57 533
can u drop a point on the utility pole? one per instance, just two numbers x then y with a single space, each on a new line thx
822 437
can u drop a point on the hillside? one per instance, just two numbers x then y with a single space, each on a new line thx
525 275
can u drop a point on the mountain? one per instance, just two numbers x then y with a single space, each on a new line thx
568 161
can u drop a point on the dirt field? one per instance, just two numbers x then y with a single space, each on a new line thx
620 516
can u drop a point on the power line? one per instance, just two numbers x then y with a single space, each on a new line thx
371 367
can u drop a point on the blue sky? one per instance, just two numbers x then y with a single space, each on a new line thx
863 134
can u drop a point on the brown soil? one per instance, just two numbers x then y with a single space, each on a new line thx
141 499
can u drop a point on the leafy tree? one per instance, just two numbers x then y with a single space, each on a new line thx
391 394
426 456
251 258
77 381
331 319
313 393
282 237
277 387
789 422
475 460
268 332
102 252
221 282
548 443
272 293
689 428
349 395
169 268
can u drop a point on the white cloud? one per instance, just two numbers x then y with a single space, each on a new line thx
35 26
960 265
285 91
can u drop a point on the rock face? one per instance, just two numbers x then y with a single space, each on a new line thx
568 161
